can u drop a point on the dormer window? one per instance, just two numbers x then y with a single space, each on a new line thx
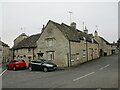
92 40
84 39
29 49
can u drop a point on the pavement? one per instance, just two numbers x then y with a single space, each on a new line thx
100 73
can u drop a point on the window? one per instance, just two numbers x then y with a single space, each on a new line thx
29 49
95 51
84 53
84 39
50 56
50 42
77 55
29 58
16 51
92 40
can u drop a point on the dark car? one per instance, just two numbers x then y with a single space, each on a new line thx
41 64
16 64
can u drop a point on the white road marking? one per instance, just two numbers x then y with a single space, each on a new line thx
3 72
104 67
83 76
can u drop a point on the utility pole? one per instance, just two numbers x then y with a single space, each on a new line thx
23 29
70 16
96 27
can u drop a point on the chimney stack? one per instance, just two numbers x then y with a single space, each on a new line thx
43 27
73 25
86 30
95 33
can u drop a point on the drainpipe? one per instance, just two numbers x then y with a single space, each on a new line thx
86 49
13 54
98 50
69 54
33 53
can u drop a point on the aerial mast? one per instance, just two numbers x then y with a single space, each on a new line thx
70 16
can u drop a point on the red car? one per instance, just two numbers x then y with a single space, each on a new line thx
16 63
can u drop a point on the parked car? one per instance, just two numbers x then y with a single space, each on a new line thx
16 64
41 64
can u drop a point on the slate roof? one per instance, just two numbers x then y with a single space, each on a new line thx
23 34
105 40
29 42
3 44
71 33
114 44
118 41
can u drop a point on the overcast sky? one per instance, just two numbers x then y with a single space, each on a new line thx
31 16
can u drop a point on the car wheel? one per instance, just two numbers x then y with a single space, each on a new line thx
30 68
14 68
45 69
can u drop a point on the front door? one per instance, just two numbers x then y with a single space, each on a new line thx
50 56
90 53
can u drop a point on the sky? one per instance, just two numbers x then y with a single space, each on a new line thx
31 16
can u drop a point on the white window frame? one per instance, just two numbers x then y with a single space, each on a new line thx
49 42
84 39
50 55
84 53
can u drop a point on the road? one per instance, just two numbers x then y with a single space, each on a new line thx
100 73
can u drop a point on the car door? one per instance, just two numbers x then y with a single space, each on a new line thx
34 65
39 65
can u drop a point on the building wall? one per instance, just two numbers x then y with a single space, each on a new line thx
77 51
59 47
93 51
80 53
5 54
26 54
19 38
11 54
114 49
102 45
64 52
1 52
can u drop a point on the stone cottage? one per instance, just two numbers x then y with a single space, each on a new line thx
65 45
25 47
104 45
5 52
114 48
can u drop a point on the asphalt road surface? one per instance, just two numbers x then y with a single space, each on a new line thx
100 73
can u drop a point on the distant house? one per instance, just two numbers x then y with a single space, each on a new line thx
26 47
114 48
5 52
65 45
118 44
104 45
